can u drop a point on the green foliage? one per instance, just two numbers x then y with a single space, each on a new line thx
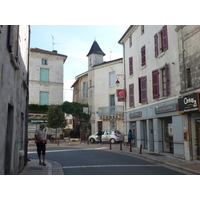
38 108
75 109
55 117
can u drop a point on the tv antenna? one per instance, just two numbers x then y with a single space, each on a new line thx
53 43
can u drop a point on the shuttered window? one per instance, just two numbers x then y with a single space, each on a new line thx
143 58
156 44
131 66
44 75
155 84
165 38
165 80
85 90
131 95
44 98
143 89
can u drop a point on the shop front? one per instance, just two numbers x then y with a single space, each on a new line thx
189 107
158 127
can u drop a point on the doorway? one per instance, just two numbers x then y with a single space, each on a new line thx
197 140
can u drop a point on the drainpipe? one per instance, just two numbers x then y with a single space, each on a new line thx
125 86
27 102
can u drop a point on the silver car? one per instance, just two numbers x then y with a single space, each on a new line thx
112 136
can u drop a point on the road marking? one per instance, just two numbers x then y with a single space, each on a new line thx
95 166
50 151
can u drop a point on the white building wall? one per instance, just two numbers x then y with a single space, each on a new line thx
55 84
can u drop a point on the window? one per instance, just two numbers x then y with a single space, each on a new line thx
165 80
143 56
131 66
44 62
112 78
155 84
130 41
13 44
113 125
44 98
85 90
44 75
160 82
189 80
131 95
161 41
143 89
142 29
112 104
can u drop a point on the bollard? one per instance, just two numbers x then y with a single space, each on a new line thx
140 149
57 142
120 146
130 147
87 142
110 146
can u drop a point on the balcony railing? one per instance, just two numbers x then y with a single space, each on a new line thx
112 110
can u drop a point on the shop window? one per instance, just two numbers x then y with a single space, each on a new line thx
168 146
113 125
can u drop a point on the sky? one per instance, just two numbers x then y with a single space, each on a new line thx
75 41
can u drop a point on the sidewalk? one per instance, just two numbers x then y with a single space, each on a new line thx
53 168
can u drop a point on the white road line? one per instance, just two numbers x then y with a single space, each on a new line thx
95 166
50 151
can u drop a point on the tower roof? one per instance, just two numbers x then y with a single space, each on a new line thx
95 49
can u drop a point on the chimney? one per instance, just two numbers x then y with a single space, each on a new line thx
55 51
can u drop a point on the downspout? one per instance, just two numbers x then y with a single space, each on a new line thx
27 101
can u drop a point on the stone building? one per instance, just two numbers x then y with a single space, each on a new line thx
14 70
45 82
189 105
151 67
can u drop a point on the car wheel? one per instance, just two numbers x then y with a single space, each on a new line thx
113 141
92 140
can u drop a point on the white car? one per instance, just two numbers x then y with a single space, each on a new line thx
112 136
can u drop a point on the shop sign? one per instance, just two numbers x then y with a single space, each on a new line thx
166 108
37 120
189 103
121 94
135 115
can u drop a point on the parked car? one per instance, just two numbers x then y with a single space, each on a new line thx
112 136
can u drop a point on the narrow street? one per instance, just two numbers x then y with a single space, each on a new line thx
97 161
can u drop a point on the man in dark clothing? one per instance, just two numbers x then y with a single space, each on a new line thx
100 134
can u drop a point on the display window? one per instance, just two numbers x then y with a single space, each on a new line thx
168 146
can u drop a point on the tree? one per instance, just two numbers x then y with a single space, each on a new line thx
75 109
56 117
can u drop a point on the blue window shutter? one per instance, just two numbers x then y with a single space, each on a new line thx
44 75
44 98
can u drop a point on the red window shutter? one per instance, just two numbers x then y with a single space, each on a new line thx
167 79
143 89
143 56
165 38
131 95
156 45
155 84
131 65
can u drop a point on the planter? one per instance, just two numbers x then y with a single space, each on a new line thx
74 141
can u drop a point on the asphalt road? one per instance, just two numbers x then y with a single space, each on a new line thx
98 162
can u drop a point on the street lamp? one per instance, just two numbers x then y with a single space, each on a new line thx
117 77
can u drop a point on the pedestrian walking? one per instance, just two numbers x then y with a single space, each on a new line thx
130 135
40 137
100 133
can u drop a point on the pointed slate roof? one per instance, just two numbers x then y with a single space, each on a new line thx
96 49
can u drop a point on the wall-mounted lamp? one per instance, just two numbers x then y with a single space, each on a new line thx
117 77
